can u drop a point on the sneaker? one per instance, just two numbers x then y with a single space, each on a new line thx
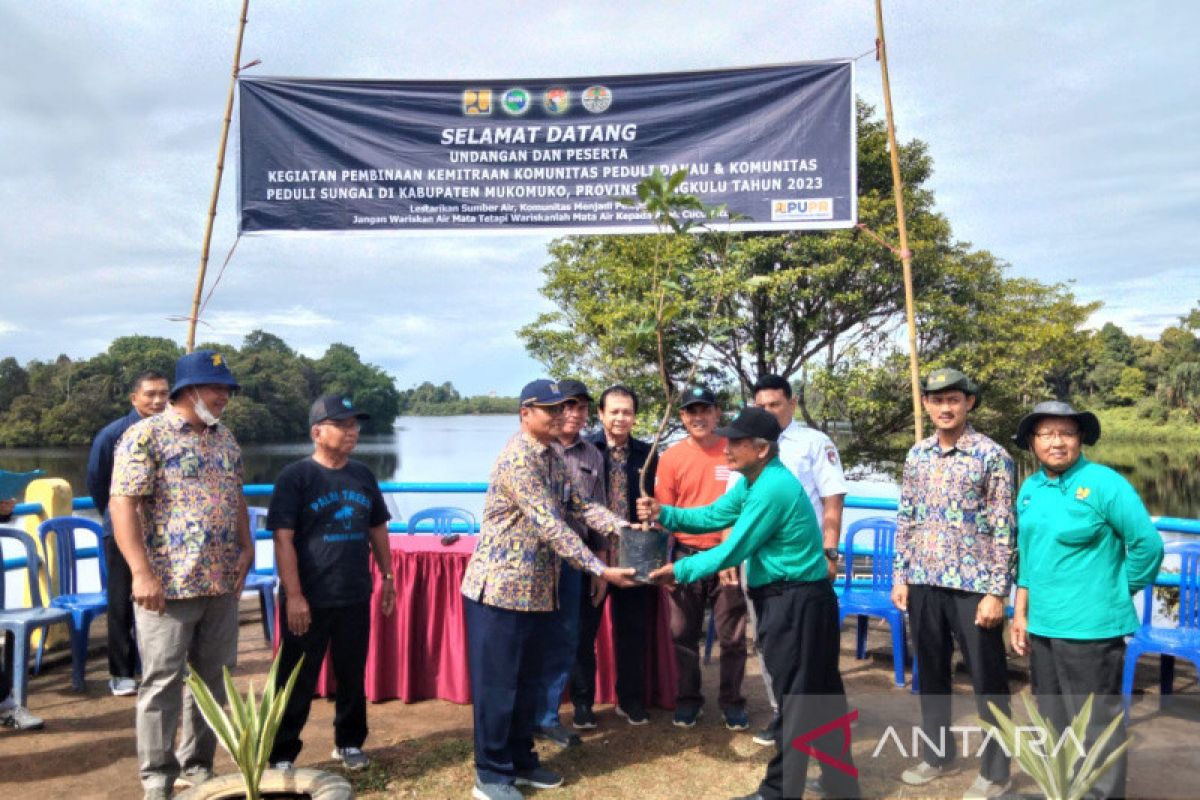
686 717
195 775
982 789
20 718
736 719
585 718
924 772
284 766
559 735
495 791
751 796
352 758
765 737
157 793
633 713
122 687
538 778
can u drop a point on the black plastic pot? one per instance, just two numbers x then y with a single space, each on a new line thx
645 551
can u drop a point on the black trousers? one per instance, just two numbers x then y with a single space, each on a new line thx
1063 673
345 632
632 615
800 640
939 617
122 645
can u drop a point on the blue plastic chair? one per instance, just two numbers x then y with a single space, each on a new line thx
84 606
1170 643
262 579
874 599
443 518
22 622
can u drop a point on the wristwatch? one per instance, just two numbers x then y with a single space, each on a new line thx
832 554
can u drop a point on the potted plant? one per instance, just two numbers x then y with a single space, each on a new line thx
1058 763
675 214
247 732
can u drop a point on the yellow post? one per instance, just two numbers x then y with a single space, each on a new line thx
54 495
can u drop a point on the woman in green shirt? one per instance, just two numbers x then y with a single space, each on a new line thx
1085 546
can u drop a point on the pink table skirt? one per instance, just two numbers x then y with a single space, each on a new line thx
420 651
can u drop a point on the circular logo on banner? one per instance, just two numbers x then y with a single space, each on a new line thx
596 99
515 102
556 100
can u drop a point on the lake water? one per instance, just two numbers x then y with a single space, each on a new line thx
462 449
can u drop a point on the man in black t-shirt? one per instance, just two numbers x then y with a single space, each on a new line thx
328 515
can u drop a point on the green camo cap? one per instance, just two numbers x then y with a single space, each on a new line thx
946 378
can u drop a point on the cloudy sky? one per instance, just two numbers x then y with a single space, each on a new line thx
1064 137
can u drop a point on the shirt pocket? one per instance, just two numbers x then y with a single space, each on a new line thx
1079 526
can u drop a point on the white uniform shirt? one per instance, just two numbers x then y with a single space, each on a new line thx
813 458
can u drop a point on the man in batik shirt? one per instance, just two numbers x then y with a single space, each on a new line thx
954 569
179 518
510 585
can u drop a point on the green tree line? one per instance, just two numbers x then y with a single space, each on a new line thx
428 400
65 402
826 310
1158 378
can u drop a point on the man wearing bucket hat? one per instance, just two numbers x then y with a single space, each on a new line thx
1086 547
509 588
776 532
179 517
954 570
327 517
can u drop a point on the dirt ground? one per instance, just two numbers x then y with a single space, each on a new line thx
88 750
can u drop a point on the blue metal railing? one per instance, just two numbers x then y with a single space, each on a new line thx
1164 524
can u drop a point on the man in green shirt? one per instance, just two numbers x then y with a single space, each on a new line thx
1086 546
775 531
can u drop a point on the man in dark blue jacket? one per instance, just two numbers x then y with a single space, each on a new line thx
148 397
633 608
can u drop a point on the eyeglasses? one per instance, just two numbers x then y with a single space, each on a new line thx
553 411
1048 436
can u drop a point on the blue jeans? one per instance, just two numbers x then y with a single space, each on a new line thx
562 639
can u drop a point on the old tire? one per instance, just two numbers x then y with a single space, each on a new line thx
304 783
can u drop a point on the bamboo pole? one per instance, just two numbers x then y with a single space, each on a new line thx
216 192
905 253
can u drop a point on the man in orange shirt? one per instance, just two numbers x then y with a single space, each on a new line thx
693 473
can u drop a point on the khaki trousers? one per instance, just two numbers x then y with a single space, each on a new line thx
202 632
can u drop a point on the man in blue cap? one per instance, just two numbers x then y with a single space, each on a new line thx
509 590
179 518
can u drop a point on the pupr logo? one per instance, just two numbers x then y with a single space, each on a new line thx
805 208
477 102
